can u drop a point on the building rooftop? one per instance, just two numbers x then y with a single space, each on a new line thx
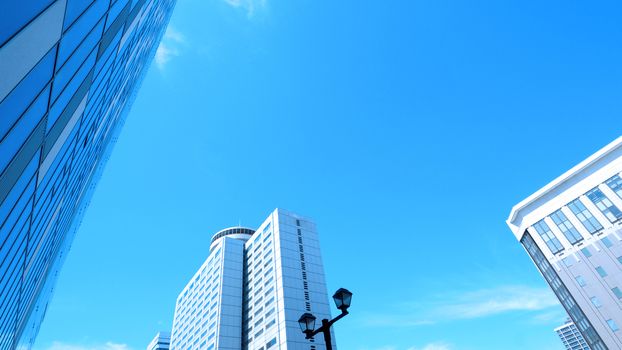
597 161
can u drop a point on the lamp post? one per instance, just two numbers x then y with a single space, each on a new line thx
342 298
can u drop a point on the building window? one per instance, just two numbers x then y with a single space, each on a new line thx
585 216
607 242
601 271
620 259
271 343
604 204
586 252
615 183
596 302
617 292
580 281
570 232
548 237
612 324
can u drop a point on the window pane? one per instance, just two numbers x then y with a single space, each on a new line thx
604 204
15 14
617 292
615 183
570 232
548 237
585 216
601 271
595 302
612 324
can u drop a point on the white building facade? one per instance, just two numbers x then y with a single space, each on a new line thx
252 289
162 341
572 230
571 337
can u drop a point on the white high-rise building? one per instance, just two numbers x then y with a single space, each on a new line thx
253 287
571 337
162 341
572 230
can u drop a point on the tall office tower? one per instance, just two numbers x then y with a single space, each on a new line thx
571 337
162 341
572 230
69 70
253 287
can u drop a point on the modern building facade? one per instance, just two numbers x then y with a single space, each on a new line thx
571 337
162 341
572 230
252 289
69 70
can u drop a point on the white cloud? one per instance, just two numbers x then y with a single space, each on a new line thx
433 346
107 346
469 305
488 302
250 6
169 47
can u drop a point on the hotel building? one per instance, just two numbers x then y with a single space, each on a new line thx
572 230
253 287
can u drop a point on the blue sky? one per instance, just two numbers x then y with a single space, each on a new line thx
406 129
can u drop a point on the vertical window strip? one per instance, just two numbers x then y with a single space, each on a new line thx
585 216
604 204
570 232
548 237
615 183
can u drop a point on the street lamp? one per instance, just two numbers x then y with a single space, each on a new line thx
342 298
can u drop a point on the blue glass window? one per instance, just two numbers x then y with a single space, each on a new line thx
617 292
271 343
585 216
74 36
570 232
586 252
16 14
23 128
75 61
14 105
114 12
615 183
548 237
596 302
604 204
607 242
612 324
601 271
580 281
73 10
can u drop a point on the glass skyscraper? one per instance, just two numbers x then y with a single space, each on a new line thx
572 229
253 287
69 70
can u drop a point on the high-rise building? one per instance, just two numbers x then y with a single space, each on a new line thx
571 337
572 230
162 341
69 70
253 287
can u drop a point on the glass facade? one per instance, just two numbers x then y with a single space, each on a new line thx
568 230
568 302
548 237
604 204
70 70
585 216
